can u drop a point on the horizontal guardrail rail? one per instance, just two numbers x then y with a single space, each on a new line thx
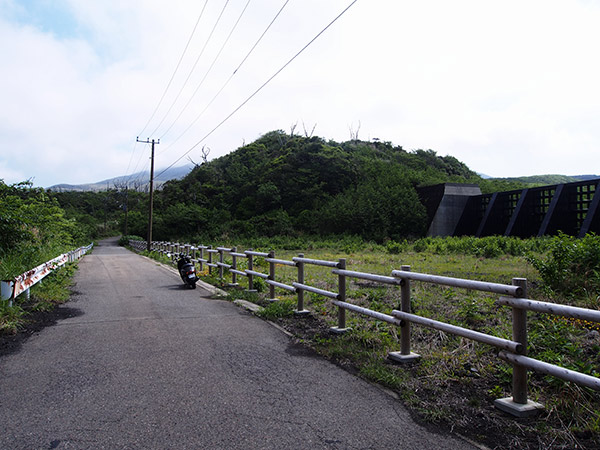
257 274
11 289
368 312
516 291
316 262
515 347
314 290
551 369
514 296
574 312
283 262
368 276
284 286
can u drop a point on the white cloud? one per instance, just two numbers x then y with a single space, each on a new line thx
490 83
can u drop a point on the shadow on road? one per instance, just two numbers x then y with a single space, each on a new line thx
36 322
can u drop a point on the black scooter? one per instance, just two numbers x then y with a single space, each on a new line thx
187 271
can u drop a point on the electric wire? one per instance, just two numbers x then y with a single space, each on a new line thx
133 150
261 87
229 79
176 69
142 172
131 158
209 69
193 68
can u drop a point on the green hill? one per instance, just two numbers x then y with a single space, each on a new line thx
282 184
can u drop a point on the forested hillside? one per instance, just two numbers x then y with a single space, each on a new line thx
283 184
33 229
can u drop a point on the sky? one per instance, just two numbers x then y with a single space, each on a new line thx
510 88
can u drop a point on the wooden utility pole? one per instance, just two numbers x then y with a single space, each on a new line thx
148 141
126 207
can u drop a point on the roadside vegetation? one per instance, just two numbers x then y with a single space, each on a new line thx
34 229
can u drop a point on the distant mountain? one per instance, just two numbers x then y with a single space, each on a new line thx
544 180
586 177
139 181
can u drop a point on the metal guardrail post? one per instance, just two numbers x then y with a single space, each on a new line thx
210 260
250 276
220 250
272 277
518 405
6 292
341 326
202 258
300 308
234 266
405 355
519 326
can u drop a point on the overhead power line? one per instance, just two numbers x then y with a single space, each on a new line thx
193 68
176 69
228 80
209 69
261 87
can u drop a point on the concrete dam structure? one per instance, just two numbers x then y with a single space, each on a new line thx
462 210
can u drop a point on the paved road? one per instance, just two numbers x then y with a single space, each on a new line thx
146 363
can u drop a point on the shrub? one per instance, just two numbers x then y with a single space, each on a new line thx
396 248
572 265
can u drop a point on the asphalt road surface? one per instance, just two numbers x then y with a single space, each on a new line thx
146 363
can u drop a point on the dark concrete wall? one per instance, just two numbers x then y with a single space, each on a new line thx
571 208
445 204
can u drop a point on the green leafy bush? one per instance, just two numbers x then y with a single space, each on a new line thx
571 266
396 248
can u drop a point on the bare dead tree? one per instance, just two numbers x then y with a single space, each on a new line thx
293 129
354 133
306 133
205 153
192 161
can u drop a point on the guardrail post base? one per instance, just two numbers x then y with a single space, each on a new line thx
338 330
399 357
509 406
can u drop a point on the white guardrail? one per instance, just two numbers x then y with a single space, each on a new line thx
11 289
